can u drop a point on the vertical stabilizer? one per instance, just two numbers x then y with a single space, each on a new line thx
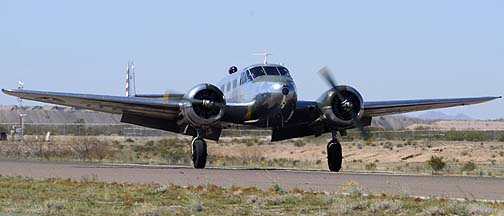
130 80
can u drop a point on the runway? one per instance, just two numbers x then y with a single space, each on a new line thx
482 188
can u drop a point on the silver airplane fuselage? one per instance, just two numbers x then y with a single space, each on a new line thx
266 100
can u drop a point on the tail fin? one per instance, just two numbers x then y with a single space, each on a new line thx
130 80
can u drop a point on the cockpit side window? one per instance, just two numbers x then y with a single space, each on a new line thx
248 77
283 71
245 77
272 71
257 72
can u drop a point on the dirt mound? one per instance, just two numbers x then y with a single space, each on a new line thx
55 114
397 122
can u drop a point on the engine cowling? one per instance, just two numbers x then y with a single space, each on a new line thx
340 113
203 105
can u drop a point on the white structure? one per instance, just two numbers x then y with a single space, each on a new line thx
19 128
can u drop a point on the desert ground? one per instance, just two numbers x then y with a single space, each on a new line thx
485 158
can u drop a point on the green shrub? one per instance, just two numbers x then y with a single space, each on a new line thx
299 143
436 163
276 187
371 166
173 150
469 166
501 137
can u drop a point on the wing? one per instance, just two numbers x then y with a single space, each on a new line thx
153 107
379 108
306 119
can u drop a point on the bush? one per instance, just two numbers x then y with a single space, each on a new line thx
469 166
501 138
388 145
371 166
276 187
87 148
436 163
299 143
175 151
475 136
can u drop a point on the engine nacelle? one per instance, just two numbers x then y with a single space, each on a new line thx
203 105
340 113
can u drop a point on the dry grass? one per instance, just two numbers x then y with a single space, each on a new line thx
88 197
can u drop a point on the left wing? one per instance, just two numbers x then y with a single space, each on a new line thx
154 111
379 108
153 107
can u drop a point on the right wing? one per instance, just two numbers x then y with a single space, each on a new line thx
306 119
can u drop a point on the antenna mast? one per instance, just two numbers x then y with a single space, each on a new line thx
265 56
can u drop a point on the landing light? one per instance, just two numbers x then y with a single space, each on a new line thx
277 86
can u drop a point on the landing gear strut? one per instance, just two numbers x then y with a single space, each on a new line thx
199 152
334 154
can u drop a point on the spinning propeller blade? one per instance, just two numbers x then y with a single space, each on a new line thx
326 74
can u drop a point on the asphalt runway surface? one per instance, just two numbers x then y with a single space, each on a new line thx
460 187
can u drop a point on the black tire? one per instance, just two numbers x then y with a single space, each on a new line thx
199 153
334 156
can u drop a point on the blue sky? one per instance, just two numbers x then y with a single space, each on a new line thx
385 49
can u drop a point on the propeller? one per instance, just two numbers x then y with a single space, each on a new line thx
345 103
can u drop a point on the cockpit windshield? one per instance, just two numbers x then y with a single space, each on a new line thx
271 70
283 71
257 72
264 70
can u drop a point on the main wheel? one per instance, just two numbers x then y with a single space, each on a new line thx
334 155
199 153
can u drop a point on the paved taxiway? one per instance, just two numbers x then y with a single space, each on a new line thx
486 188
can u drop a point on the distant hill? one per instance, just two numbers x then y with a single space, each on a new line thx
437 115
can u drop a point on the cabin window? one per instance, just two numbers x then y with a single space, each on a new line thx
272 71
257 72
234 83
228 86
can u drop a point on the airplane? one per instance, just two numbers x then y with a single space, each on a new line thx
260 95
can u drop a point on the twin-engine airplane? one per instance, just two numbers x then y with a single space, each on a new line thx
261 95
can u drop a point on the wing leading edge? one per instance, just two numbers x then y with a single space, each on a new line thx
379 108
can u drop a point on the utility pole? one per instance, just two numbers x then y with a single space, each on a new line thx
19 130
